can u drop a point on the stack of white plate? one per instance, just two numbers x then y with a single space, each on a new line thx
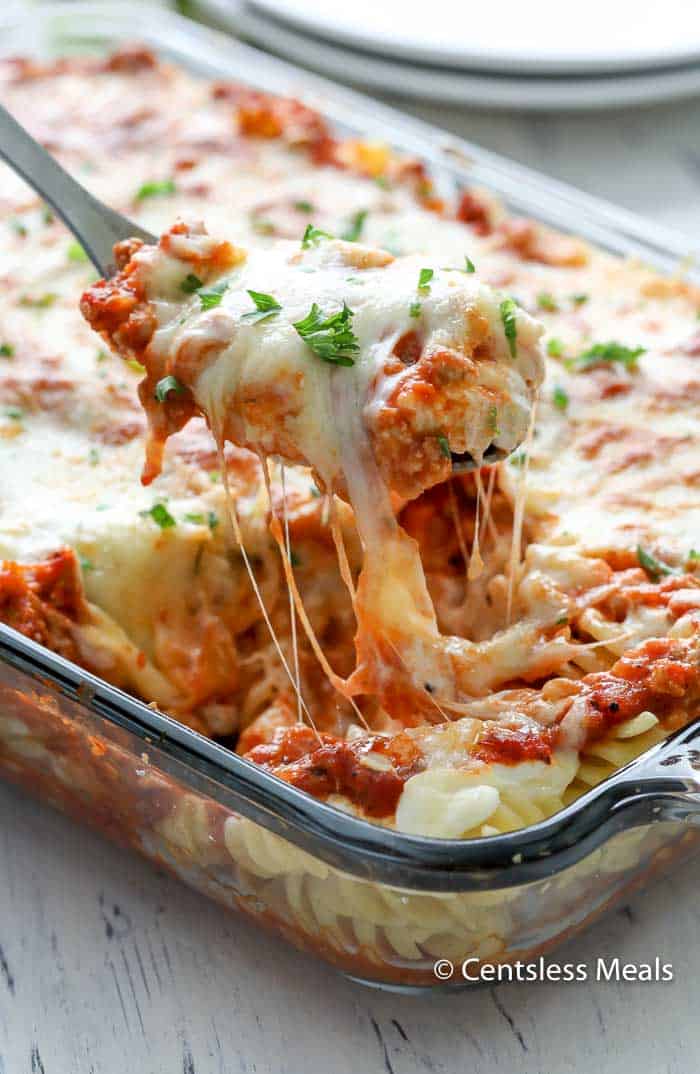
529 54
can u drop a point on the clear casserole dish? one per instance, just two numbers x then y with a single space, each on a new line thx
385 907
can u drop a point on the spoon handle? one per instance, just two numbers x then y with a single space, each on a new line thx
95 225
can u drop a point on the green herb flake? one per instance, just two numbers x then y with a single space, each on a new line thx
693 555
547 301
560 398
414 309
7 350
519 459
135 366
469 266
160 515
492 420
266 306
561 620
444 445
294 559
424 277
19 228
93 456
157 188
165 386
212 520
263 227
75 252
14 413
354 228
303 206
607 354
382 182
579 299
555 348
654 567
331 338
85 563
42 302
101 356
191 283
195 519
509 315
211 298
214 477
47 216
312 236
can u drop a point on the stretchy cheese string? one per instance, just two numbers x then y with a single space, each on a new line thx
519 513
335 680
476 563
292 612
458 525
235 523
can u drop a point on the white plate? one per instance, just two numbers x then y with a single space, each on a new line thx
454 87
515 36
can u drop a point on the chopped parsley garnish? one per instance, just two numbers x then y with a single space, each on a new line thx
555 348
214 477
165 386
606 354
136 366
354 228
414 309
693 555
211 298
492 420
331 338
47 216
294 559
579 299
382 181
211 519
158 188
75 252
14 413
510 324
160 515
6 350
312 236
303 206
266 306
191 283
654 567
469 265
101 356
19 228
560 398
42 302
93 456
519 459
85 563
547 301
444 445
561 620
424 277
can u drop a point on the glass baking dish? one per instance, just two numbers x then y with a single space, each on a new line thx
388 909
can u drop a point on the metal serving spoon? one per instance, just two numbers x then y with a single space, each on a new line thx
98 228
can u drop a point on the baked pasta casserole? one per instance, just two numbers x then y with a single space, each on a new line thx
273 499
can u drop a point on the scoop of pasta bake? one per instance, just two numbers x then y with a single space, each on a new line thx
323 352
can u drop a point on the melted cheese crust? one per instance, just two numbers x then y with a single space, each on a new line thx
170 615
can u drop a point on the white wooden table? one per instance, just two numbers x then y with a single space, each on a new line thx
107 966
